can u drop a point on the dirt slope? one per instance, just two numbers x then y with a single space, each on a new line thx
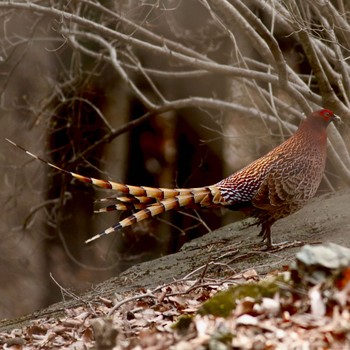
232 248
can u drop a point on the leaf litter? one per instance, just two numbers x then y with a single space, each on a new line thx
306 306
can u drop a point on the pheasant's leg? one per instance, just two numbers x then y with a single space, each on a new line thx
265 233
267 240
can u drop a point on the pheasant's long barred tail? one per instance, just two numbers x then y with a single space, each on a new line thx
188 198
148 201
138 192
202 197
270 188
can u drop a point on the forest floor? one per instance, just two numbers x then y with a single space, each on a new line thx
159 304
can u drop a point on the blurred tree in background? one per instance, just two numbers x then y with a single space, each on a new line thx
159 93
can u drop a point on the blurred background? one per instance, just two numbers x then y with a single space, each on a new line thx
163 93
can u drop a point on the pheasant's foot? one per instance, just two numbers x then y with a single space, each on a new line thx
281 245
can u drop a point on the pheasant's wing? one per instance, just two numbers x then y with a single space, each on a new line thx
282 187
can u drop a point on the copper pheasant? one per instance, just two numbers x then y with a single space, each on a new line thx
270 188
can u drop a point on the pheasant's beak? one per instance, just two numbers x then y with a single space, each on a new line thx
337 119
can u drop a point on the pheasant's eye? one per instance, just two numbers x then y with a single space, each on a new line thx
327 115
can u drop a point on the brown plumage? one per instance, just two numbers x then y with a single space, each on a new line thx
270 188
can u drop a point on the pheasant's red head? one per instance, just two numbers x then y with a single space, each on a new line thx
323 117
